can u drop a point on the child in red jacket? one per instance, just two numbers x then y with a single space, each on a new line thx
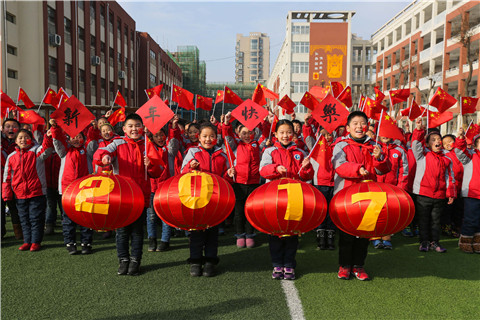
25 177
210 158
284 159
126 155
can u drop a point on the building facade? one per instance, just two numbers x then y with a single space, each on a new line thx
252 58
362 79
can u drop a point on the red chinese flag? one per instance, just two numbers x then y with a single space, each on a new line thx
472 131
379 96
154 91
438 118
442 100
401 95
230 154
155 154
345 97
310 101
219 97
319 92
51 98
373 109
330 113
469 105
413 112
7 103
183 97
274 123
117 116
72 116
62 96
321 152
155 114
258 96
337 88
22 96
120 100
204 103
389 129
361 104
30 117
250 114
231 97
287 104
269 93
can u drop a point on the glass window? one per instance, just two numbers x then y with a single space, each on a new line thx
81 38
93 89
112 88
81 4
68 30
300 47
102 51
153 57
81 80
68 76
299 67
110 22
12 50
103 86
253 53
52 25
102 15
111 56
52 71
11 18
92 10
12 74
253 44
253 59
93 41
153 80
300 87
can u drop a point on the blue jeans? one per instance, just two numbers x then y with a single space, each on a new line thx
32 217
54 201
204 246
70 228
328 194
283 251
153 220
135 232
471 218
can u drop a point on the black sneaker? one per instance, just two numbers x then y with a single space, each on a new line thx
209 270
195 270
164 246
123 267
152 244
72 248
321 241
86 248
134 267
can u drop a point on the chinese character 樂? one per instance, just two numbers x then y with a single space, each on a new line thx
329 112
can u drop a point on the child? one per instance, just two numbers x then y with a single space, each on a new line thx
210 158
74 165
247 178
284 159
434 183
25 177
54 200
127 157
355 158
469 241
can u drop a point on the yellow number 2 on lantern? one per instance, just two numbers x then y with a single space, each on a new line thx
295 201
377 201
104 187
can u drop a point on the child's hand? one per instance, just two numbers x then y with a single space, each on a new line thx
107 160
460 132
194 164
49 133
231 172
450 200
222 118
305 162
419 124
108 114
175 122
281 169
294 116
363 172
146 161
228 116
268 143
377 152
212 119
52 122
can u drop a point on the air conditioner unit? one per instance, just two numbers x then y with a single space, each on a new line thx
55 40
95 60
121 74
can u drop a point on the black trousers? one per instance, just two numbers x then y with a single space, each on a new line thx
429 214
242 226
352 251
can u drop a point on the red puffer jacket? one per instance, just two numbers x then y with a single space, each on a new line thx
173 160
52 170
290 157
24 173
215 162
398 175
471 171
457 168
247 160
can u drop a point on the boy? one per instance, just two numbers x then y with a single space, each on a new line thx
355 158
126 155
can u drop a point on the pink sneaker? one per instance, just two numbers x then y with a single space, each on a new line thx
240 242
250 242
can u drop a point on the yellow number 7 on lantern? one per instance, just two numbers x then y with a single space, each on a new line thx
377 201
295 201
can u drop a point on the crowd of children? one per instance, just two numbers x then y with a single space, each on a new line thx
438 172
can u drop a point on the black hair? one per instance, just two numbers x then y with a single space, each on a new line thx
30 134
103 117
449 136
356 114
207 125
432 133
282 122
476 140
133 116
297 122
198 126
11 119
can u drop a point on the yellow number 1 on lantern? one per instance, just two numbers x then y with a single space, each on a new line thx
295 201
377 201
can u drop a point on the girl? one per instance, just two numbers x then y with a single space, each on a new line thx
25 177
284 159
210 158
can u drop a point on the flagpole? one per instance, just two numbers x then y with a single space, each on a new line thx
145 152
461 110
271 126
340 92
171 98
316 142
214 105
223 102
18 116
428 118
195 117
111 108
145 90
410 111
42 101
379 124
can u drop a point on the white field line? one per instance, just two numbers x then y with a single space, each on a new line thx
293 300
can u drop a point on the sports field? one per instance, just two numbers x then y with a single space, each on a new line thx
406 284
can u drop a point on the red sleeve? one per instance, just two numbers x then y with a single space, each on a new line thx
227 131
7 192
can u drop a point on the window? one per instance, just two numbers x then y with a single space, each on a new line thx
253 72
300 87
103 86
110 22
93 89
81 80
253 53
112 88
68 76
125 35
253 59
126 63
253 44
12 74
299 67
52 26
81 4
52 71
153 57
300 29
102 15
111 56
300 47
119 29
68 30
92 10
81 39
253 78
102 51
119 60
11 18
153 80
253 66
12 50
93 41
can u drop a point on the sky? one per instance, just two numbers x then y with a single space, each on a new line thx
213 25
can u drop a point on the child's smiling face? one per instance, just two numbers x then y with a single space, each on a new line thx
23 140
10 129
133 129
208 138
284 134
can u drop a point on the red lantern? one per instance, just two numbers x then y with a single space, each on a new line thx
372 209
103 201
194 201
285 207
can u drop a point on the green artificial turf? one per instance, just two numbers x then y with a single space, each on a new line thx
51 284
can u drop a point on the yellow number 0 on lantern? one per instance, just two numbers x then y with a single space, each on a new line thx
377 201
295 201
185 190
105 187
